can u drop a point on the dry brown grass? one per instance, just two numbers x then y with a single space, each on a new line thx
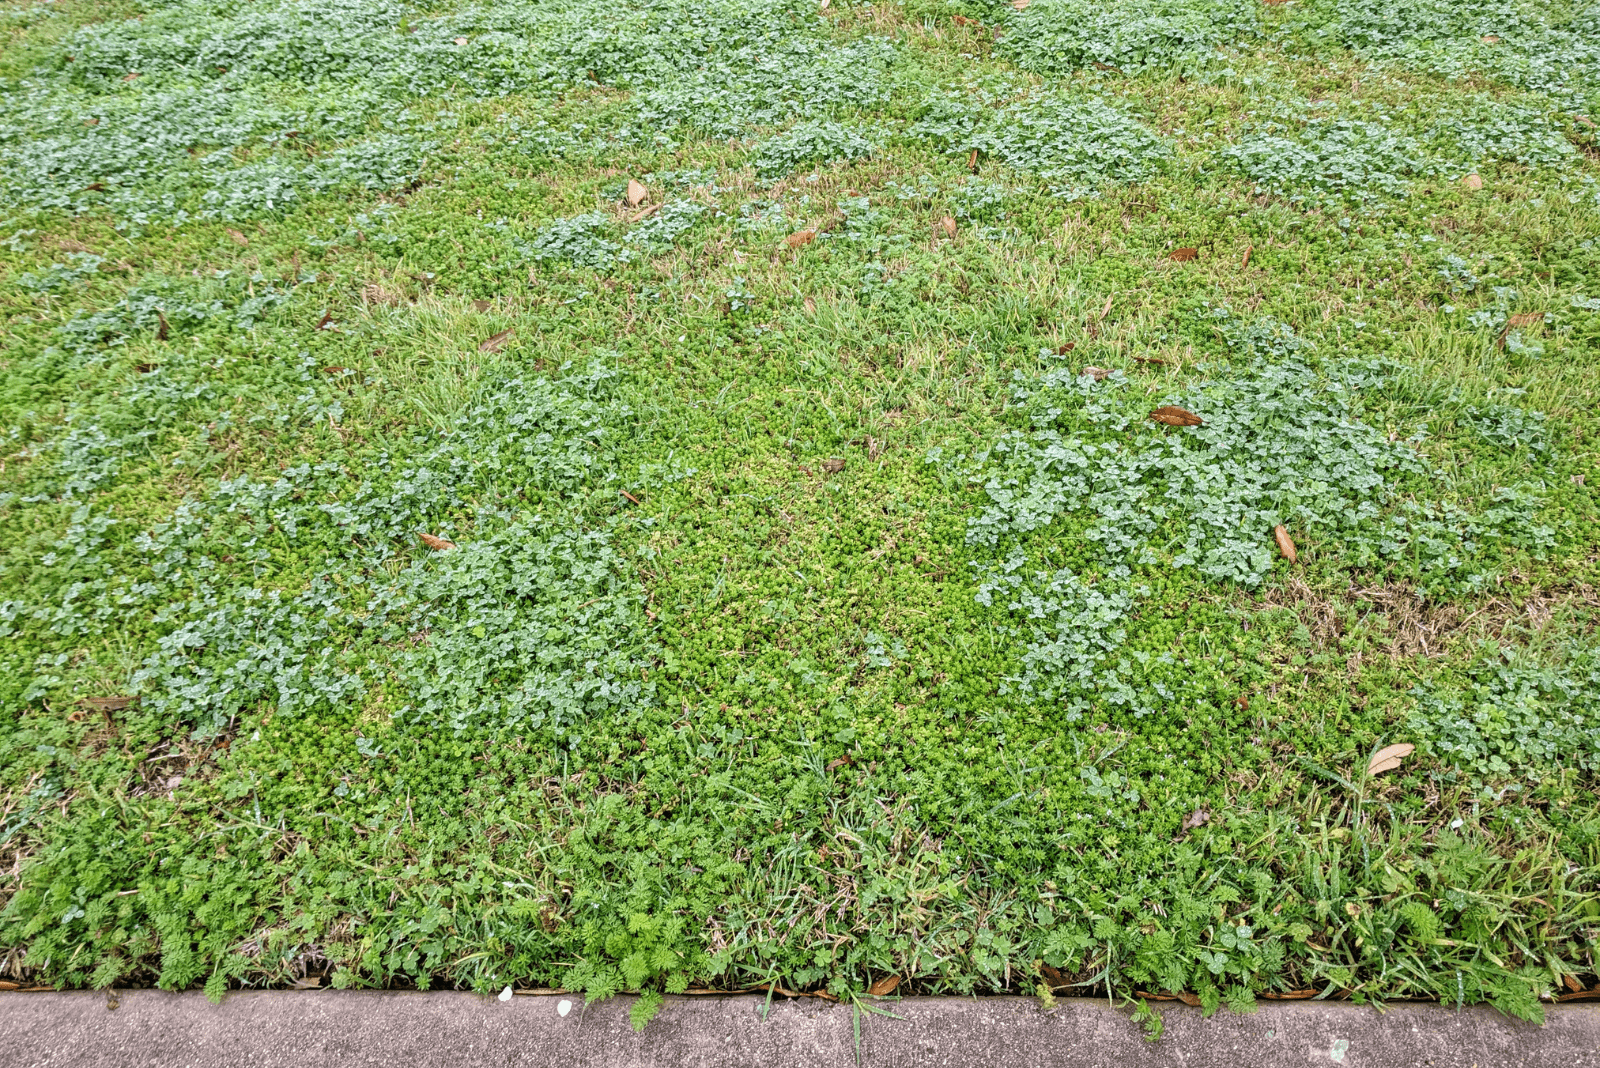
1415 626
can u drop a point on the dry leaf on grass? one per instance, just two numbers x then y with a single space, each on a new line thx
1062 350
1473 182
1246 262
1526 319
334 369
482 305
833 467
972 162
1389 757
645 213
1020 5
461 40
1188 999
1198 818
1183 255
1490 39
1285 543
1172 415
162 327
884 987
962 20
130 76
498 342
239 239
810 306
801 238
948 225
1106 310
376 293
636 192
1096 373
107 704
436 543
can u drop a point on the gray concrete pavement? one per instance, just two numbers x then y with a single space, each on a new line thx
152 1029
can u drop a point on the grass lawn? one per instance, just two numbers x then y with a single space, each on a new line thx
663 494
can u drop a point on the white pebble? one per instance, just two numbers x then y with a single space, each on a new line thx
563 1007
505 995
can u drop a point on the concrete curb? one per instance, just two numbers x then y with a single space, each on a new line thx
154 1029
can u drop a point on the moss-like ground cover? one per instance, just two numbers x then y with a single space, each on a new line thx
794 606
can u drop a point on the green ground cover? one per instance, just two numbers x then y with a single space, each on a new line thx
794 607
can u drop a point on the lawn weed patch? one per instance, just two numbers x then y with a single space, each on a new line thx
663 496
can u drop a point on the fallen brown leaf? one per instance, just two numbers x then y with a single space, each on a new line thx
1490 39
130 76
1526 319
310 982
327 318
884 987
1062 350
1582 995
838 762
482 305
1586 120
962 20
1096 373
1243 701
1052 976
645 213
1472 182
1198 818
636 192
1285 543
630 496
1150 360
1188 999
1172 415
1572 983
162 328
436 543
334 369
107 704
1106 310
948 225
1183 255
1389 757
498 342
1020 5
800 238
239 239
144 368
810 306
1247 250
833 467
972 162
377 293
